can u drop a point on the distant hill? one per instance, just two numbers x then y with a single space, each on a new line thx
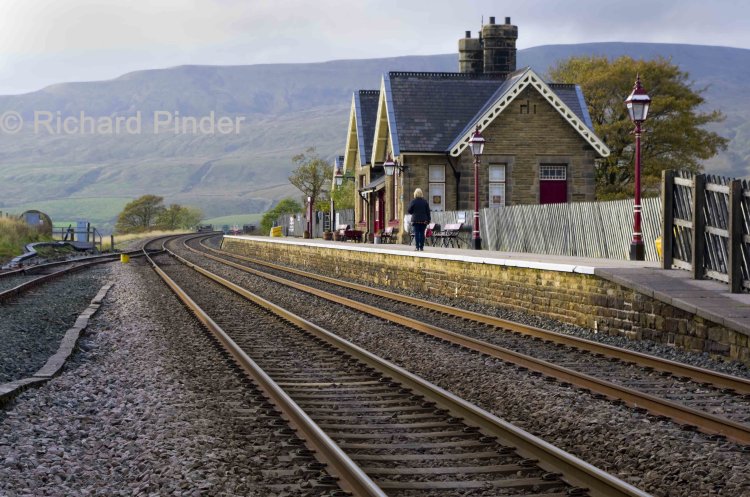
288 107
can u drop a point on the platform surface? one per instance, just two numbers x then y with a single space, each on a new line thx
709 299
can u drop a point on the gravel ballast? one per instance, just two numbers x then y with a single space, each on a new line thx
138 412
32 324
656 456
147 406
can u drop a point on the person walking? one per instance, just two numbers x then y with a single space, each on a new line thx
420 217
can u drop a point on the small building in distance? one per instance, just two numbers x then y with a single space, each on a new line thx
540 145
39 220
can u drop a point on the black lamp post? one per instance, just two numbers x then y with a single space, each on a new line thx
477 147
637 104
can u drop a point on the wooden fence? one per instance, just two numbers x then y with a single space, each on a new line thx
583 229
707 227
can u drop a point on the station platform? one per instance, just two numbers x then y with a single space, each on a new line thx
708 299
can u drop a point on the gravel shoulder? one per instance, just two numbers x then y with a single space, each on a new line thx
143 409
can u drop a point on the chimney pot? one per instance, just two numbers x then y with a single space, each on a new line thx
507 20
492 20
468 34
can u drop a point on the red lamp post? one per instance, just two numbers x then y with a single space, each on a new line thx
637 104
477 147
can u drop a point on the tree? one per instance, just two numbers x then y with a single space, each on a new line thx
178 217
140 214
286 206
343 196
311 175
673 136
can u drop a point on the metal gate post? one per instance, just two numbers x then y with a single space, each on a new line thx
667 202
699 226
734 271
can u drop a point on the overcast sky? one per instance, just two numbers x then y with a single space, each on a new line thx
50 41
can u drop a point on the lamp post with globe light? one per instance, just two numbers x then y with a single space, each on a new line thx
637 103
476 143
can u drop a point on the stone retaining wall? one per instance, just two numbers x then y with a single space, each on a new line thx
579 299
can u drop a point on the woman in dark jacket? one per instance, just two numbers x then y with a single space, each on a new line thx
420 217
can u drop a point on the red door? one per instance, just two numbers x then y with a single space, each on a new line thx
380 211
553 184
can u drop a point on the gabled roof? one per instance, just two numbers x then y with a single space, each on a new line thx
566 99
426 111
437 112
367 109
361 127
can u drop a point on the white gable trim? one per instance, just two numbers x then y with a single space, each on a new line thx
530 78
352 142
382 127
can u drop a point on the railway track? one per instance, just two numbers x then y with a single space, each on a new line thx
18 281
375 426
712 402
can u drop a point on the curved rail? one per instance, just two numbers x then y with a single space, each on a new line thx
354 479
706 422
574 471
75 265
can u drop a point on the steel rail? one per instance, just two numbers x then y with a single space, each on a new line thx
574 470
17 290
76 265
704 421
701 375
37 267
352 477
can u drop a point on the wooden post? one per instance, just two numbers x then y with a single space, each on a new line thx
734 270
699 226
667 201
111 243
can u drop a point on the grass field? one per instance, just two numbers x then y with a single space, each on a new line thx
238 219
14 234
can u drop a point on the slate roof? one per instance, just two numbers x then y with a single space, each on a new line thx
430 111
366 108
572 96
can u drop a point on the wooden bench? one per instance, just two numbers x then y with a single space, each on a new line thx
448 236
388 235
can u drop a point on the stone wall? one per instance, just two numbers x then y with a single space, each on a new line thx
579 299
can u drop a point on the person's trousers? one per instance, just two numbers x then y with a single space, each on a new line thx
419 229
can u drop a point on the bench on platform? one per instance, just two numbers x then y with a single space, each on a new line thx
448 236
341 231
345 233
388 235
428 232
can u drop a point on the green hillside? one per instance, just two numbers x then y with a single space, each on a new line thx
287 108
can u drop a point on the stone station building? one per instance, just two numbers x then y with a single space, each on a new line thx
540 147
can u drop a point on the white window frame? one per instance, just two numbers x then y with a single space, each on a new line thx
553 172
436 179
496 183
